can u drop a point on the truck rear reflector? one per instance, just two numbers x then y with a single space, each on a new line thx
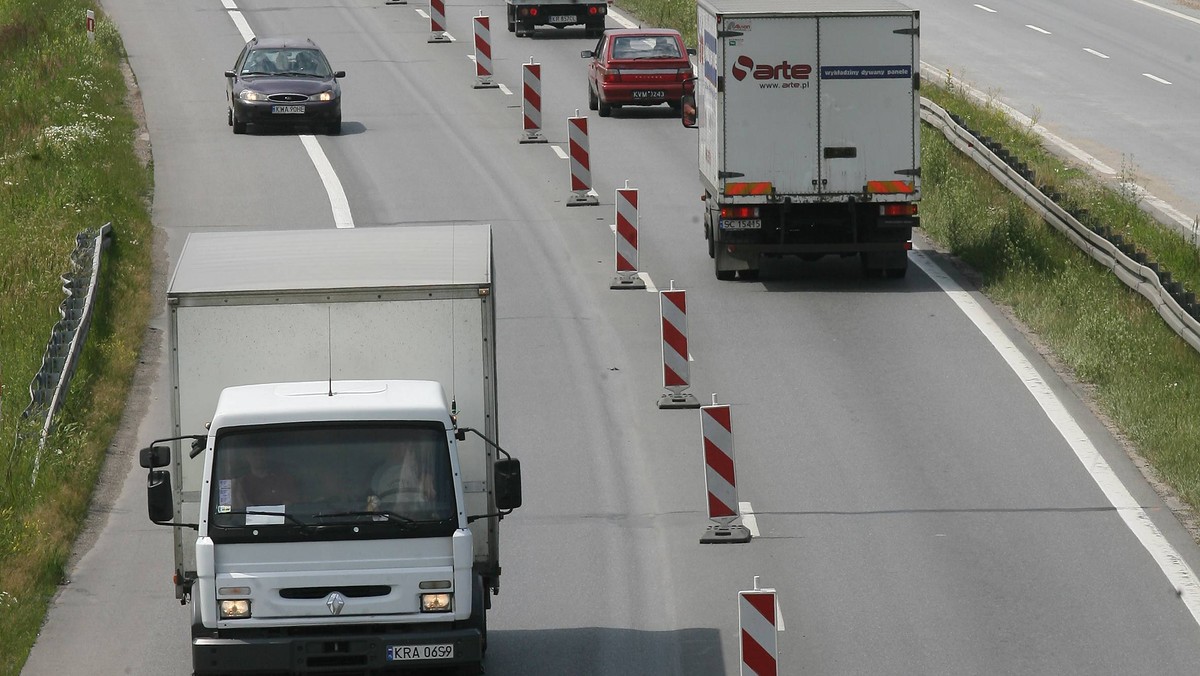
755 188
902 209
890 187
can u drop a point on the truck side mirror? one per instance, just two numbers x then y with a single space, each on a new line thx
154 457
159 499
508 484
687 111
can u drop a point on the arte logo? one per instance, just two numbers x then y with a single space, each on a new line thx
783 71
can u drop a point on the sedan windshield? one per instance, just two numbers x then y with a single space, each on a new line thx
347 478
299 62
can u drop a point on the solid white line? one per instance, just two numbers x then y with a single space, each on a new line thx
1095 53
986 9
1177 15
423 14
1156 78
649 282
559 151
242 25
1040 30
621 19
748 519
506 90
337 196
471 57
1178 573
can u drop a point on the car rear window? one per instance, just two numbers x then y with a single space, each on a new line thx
646 47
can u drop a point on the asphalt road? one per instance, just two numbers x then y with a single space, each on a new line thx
1118 78
918 509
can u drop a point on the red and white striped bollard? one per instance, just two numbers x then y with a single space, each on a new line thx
531 103
625 236
581 170
437 22
758 644
720 479
676 371
483 53
89 22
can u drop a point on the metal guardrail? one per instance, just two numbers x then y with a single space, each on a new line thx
1140 275
48 390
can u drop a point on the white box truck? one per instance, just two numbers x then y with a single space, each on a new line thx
333 478
809 130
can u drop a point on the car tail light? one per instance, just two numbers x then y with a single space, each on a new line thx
905 209
613 75
739 212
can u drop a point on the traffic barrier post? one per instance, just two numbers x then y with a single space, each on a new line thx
531 103
676 371
626 240
720 479
581 171
758 644
437 22
483 53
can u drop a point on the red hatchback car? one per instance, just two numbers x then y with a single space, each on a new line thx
637 67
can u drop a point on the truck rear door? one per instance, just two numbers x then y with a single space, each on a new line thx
769 111
869 112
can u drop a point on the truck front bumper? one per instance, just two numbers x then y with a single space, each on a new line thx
331 653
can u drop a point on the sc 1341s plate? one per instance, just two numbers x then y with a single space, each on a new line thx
402 653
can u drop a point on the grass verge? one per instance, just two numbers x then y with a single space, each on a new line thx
67 164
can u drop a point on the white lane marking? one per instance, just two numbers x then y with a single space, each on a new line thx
986 9
621 19
748 518
1040 30
559 151
506 90
649 282
1095 53
1021 118
471 57
1177 15
242 25
1177 571
337 196
422 13
228 4
1156 78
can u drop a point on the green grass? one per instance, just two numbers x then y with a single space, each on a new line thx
66 165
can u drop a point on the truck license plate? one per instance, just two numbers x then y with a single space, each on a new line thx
742 224
287 110
650 94
400 653
562 18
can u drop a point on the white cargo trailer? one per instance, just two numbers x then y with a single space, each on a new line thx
331 510
809 130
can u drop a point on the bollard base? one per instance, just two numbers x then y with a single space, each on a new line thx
583 199
669 401
439 37
396 2
725 534
622 282
533 136
485 84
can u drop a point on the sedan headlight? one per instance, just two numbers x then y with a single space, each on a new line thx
235 609
251 95
324 96
437 603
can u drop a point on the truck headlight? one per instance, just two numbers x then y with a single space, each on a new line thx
437 603
235 609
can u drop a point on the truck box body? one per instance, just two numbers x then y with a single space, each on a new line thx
808 102
398 323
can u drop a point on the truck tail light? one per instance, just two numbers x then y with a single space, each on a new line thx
739 212
533 11
592 10
903 209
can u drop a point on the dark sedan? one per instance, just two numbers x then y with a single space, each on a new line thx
283 81
637 67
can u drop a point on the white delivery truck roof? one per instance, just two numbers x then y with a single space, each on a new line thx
352 400
822 7
312 260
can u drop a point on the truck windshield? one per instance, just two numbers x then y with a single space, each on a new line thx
332 481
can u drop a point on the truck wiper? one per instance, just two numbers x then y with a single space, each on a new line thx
390 516
304 527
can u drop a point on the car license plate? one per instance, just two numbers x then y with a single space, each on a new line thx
650 94
401 653
562 18
742 224
287 110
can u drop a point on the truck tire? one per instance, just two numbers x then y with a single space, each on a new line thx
512 21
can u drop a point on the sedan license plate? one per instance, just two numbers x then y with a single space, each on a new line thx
742 224
401 653
562 18
650 94
287 110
